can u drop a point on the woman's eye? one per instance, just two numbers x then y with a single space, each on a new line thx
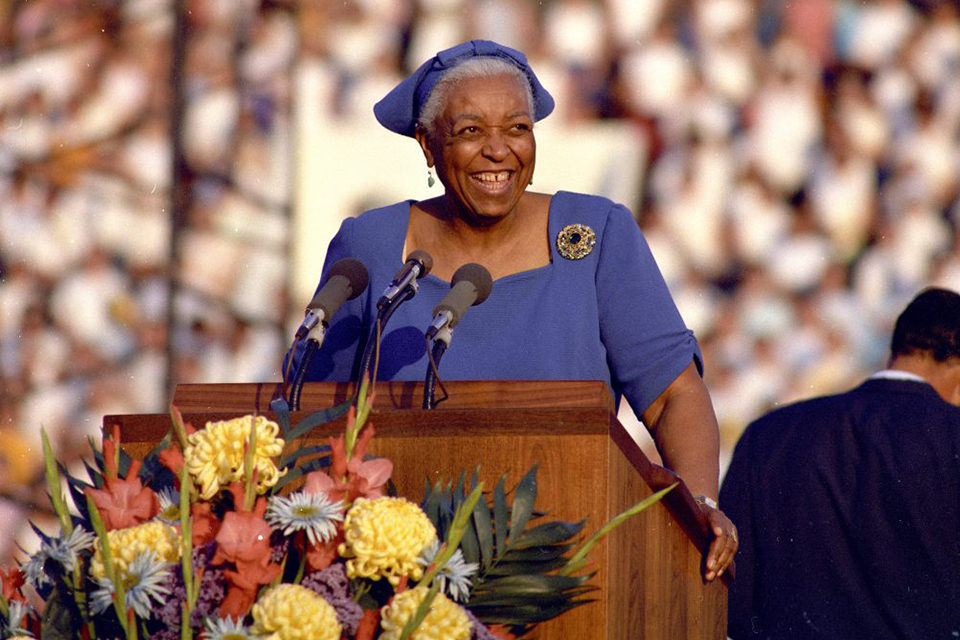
469 131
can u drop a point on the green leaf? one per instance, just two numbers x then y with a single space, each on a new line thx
537 554
301 470
95 476
119 594
576 561
186 541
500 514
291 458
446 510
163 444
523 614
454 535
249 487
483 526
431 505
544 600
61 620
53 484
308 423
469 543
505 567
281 411
421 613
522 507
530 583
547 534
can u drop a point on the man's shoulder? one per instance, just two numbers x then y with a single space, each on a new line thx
873 399
808 408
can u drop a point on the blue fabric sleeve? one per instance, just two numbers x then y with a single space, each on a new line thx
648 345
337 359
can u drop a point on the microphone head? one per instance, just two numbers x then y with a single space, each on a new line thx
478 276
354 271
424 259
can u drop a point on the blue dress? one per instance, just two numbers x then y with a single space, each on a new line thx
608 316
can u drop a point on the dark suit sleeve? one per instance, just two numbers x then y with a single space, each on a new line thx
735 500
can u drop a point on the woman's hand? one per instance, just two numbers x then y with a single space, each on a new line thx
725 541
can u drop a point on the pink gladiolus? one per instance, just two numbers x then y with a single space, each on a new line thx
320 556
244 539
205 524
125 502
359 478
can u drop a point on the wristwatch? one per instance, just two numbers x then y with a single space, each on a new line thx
710 502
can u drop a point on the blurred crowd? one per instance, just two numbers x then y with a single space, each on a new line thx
144 215
802 182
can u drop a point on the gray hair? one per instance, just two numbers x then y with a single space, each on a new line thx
481 67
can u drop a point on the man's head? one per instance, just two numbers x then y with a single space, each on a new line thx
926 340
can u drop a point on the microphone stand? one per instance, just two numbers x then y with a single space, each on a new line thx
440 343
300 375
385 309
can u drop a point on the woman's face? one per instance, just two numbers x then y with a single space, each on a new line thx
483 147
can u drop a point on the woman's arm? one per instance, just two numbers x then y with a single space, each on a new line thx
684 428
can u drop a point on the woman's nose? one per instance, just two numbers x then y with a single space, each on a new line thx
495 146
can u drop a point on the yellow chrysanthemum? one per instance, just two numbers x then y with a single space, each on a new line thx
214 456
445 621
383 537
127 544
292 612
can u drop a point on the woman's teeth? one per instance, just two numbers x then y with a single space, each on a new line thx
493 178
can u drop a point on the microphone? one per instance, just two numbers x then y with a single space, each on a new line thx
417 265
471 284
346 280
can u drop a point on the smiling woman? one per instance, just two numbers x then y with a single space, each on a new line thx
577 294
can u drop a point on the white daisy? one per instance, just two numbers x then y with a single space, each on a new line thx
14 626
227 629
144 580
62 550
33 569
169 505
65 550
454 576
310 512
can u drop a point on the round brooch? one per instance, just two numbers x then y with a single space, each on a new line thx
576 241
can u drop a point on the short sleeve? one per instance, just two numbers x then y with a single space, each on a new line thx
336 358
648 345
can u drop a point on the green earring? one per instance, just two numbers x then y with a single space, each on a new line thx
430 179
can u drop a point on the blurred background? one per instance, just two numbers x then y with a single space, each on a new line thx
172 170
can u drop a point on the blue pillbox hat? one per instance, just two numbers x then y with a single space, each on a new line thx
399 109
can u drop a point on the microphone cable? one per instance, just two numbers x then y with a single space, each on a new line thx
296 388
371 351
432 376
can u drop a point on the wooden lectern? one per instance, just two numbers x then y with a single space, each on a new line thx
648 569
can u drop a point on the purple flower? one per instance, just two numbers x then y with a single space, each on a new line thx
332 585
479 631
213 589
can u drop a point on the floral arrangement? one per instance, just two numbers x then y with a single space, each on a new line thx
218 535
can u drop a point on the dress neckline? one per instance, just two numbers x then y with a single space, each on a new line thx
519 275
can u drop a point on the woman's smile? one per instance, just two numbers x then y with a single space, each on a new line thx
494 182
